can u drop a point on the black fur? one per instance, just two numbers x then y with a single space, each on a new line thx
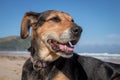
75 68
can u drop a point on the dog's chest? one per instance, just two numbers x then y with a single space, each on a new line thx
60 76
52 75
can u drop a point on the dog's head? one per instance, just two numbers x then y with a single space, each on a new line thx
54 34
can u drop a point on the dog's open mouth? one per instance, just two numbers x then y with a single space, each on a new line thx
67 47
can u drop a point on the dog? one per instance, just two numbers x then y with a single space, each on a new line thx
53 37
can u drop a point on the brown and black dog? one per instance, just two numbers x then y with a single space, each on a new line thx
53 37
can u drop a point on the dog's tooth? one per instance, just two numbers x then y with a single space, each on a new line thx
71 44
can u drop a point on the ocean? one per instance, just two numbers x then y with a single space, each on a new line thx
108 57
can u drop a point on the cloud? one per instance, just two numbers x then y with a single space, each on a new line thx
110 39
114 36
106 43
113 39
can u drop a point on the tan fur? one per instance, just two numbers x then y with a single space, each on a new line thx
53 36
58 31
53 29
60 76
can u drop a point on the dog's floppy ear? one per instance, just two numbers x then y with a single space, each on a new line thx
29 20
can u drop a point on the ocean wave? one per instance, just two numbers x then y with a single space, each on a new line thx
109 57
14 52
101 54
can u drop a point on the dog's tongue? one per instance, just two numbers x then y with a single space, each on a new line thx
65 48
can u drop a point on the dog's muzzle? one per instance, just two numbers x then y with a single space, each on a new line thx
65 45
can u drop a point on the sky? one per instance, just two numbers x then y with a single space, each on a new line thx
100 19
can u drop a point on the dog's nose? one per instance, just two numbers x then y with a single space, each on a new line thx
76 30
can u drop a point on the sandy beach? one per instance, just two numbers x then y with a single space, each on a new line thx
11 66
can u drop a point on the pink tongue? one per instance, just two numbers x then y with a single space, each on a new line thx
65 48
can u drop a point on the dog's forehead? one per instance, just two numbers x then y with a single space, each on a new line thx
61 15
53 13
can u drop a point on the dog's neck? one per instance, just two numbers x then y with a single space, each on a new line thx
40 50
38 64
41 57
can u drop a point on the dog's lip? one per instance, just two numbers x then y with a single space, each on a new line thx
66 47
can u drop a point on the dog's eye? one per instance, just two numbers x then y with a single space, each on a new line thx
55 19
